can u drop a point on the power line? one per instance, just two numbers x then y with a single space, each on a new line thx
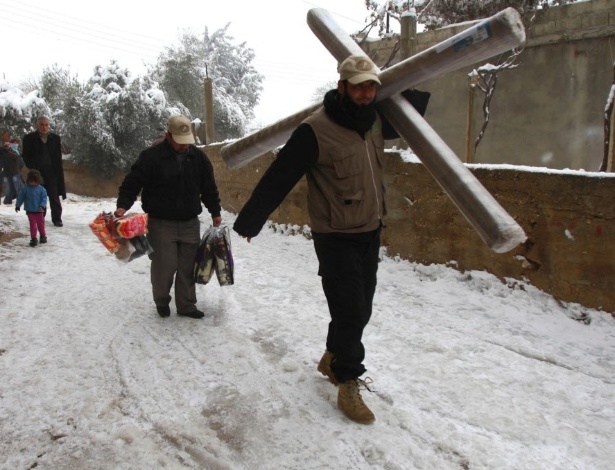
359 23
46 23
42 16
87 33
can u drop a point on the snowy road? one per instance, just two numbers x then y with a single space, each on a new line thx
469 373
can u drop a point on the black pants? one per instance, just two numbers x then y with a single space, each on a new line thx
348 263
54 200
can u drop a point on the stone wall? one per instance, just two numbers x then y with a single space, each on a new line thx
569 218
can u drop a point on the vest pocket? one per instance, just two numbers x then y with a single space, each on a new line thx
346 163
348 210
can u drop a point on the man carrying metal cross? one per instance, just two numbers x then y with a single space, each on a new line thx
340 149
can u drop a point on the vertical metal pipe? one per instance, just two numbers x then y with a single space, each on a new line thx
492 223
209 111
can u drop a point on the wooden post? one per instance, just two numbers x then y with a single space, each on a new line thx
407 36
209 111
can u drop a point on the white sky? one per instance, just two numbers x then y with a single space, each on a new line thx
467 372
81 35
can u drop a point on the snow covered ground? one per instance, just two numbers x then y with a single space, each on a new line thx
469 373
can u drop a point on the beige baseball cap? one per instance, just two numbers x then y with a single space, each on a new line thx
180 128
358 69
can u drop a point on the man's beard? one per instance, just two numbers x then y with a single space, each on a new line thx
361 116
359 111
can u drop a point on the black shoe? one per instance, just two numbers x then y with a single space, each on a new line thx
193 314
33 242
43 240
163 310
58 223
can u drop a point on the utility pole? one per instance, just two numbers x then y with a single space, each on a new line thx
407 36
209 108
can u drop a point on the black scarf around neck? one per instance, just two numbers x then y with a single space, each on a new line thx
348 114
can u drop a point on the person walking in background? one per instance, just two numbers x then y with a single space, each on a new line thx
12 164
173 177
33 196
5 187
340 149
42 151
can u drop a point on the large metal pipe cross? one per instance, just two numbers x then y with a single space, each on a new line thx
487 38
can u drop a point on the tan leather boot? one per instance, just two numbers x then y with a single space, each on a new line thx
324 366
350 402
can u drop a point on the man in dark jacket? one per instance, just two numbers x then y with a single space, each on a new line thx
174 177
42 151
340 149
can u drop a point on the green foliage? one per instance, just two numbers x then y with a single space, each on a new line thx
112 119
57 85
237 86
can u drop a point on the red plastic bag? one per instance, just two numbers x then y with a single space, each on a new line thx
123 236
130 226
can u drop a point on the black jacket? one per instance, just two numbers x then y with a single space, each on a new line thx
169 189
10 165
46 158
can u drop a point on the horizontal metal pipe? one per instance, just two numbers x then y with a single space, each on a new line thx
487 38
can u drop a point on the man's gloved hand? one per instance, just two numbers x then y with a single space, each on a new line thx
418 99
17 209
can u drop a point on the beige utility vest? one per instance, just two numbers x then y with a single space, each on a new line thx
346 191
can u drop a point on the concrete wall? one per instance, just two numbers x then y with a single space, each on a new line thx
569 218
549 111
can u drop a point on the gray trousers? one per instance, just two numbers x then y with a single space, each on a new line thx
174 243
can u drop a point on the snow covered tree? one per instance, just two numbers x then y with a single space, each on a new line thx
434 14
19 109
113 119
181 72
57 85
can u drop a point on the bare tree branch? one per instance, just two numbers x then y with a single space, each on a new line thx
608 112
